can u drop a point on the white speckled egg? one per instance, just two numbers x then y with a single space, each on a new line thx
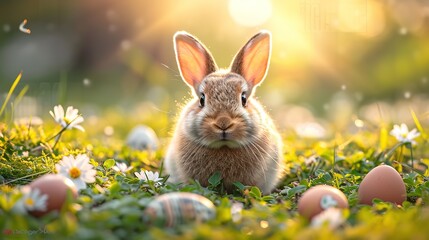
172 209
142 138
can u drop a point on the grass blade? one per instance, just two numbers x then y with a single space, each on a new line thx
21 95
390 153
383 137
418 125
12 88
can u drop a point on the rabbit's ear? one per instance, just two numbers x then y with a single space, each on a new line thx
194 60
252 60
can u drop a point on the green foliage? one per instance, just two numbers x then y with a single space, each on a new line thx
113 206
9 94
109 163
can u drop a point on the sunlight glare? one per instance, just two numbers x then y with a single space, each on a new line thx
250 13
363 17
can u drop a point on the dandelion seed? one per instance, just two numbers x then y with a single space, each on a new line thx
402 134
343 87
22 27
70 119
78 169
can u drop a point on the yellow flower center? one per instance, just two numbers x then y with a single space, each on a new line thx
74 172
66 120
29 202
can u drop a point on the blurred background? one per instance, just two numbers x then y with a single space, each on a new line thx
335 63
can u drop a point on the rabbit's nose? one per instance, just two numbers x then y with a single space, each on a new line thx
223 123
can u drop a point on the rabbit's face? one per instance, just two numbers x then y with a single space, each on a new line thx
222 114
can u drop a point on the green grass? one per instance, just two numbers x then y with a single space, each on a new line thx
113 207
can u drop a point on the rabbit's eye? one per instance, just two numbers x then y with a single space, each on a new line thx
243 99
202 100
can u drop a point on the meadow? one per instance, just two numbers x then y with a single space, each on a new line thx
346 87
112 205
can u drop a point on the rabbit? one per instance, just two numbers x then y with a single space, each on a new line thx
224 128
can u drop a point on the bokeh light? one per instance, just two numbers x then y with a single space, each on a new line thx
336 59
250 13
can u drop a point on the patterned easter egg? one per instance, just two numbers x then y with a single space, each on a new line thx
176 208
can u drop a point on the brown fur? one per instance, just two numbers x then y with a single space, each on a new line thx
224 136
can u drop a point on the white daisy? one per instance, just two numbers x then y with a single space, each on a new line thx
402 134
70 117
32 200
332 216
78 169
151 176
122 167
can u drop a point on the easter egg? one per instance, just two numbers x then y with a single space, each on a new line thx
56 187
176 208
142 138
382 182
319 198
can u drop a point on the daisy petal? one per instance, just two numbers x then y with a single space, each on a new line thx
79 127
80 184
